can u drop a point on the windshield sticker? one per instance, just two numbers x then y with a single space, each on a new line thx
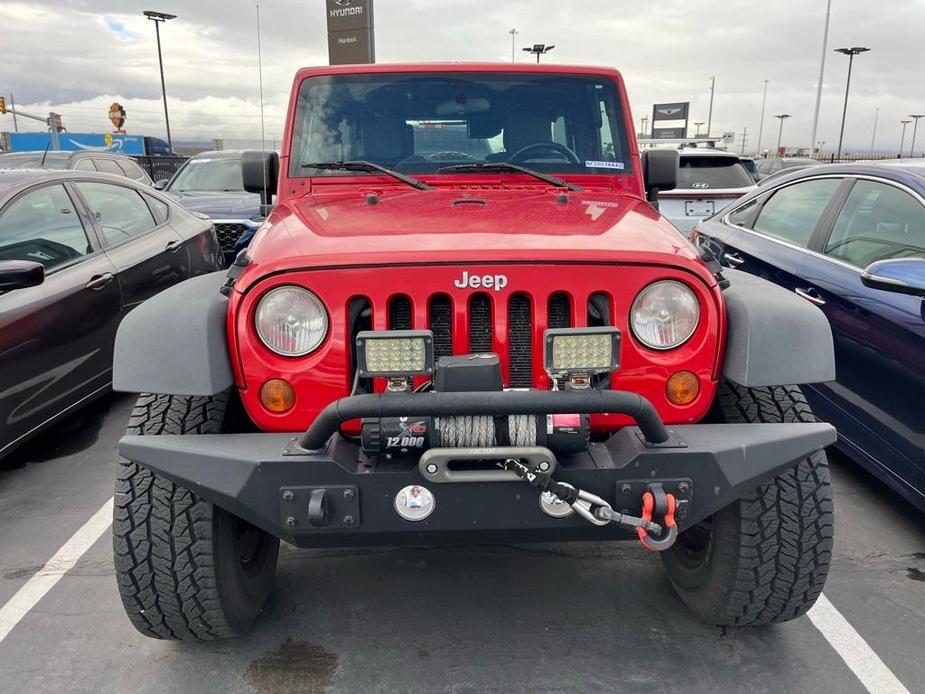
605 165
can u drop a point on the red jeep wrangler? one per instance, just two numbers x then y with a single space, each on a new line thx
465 321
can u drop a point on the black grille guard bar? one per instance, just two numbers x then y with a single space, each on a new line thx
487 404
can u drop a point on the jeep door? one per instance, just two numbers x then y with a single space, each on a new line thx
56 339
146 251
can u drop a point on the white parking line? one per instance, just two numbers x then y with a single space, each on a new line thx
46 578
854 650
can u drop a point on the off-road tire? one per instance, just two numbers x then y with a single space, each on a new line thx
178 558
763 559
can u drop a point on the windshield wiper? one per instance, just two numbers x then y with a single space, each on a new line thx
367 166
499 166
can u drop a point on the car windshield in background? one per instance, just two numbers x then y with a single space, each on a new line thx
209 174
421 123
33 160
701 173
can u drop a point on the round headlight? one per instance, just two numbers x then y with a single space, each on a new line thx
665 315
291 321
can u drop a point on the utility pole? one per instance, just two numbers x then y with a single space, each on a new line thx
158 18
873 138
915 129
744 137
902 140
513 33
780 133
825 45
850 52
710 113
764 100
12 106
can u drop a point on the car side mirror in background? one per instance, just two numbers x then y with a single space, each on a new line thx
19 274
260 171
900 275
161 184
659 171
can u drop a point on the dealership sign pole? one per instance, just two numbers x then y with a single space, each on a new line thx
677 114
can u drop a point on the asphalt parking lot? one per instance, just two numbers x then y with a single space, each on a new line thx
540 618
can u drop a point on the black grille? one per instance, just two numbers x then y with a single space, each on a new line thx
440 313
598 310
400 313
559 311
480 326
228 234
520 341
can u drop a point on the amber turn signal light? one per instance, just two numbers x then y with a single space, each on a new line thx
682 388
277 396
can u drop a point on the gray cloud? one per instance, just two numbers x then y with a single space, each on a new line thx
69 55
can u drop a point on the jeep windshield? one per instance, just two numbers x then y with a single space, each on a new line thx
428 123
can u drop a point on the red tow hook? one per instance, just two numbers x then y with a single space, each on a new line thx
656 502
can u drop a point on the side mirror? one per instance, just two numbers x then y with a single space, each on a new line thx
161 184
659 171
260 171
901 275
19 274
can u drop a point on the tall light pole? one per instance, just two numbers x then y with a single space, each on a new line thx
780 133
873 138
902 140
513 33
710 113
538 49
915 128
764 100
157 18
825 46
850 52
699 124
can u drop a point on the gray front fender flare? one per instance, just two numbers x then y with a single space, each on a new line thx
176 343
774 337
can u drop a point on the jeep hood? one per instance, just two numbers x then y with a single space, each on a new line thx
453 225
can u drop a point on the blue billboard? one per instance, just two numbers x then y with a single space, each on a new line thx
74 142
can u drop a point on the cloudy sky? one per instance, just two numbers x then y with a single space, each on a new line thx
77 56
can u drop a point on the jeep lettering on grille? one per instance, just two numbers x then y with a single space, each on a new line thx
496 282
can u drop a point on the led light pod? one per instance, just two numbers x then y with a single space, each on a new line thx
568 351
395 353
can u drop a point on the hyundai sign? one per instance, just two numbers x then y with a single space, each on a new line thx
350 31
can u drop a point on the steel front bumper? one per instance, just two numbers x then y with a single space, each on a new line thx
268 479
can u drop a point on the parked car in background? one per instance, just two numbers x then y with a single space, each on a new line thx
850 238
708 180
769 167
84 160
78 251
751 166
211 183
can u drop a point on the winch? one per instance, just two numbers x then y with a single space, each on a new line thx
473 373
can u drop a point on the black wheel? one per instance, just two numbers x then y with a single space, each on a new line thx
186 569
763 559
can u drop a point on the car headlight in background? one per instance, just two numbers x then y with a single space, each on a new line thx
665 315
291 321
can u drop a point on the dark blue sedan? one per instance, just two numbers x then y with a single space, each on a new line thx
850 239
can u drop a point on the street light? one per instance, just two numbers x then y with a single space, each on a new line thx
780 133
538 49
902 140
764 100
157 18
513 33
850 52
915 129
